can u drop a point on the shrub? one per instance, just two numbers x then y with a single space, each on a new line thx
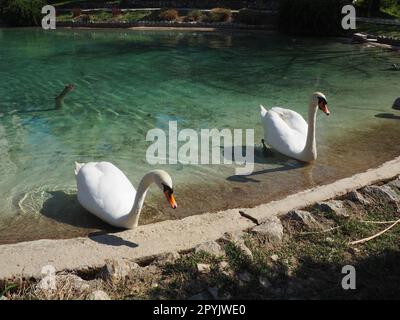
101 16
168 15
310 17
219 15
135 15
194 15
251 17
22 12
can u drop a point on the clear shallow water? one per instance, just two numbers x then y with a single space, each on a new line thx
128 82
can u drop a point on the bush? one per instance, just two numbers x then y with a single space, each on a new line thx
251 17
219 15
135 15
101 16
168 15
22 12
310 17
194 15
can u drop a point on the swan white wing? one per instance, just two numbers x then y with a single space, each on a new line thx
105 191
281 136
292 118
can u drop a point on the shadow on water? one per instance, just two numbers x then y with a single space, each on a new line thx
65 208
110 239
387 116
267 157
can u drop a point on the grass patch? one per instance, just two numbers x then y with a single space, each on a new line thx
379 29
307 265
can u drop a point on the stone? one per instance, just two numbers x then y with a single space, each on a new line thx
305 218
210 247
203 268
264 282
52 283
116 270
223 265
238 239
244 276
357 197
168 257
245 251
271 230
335 207
98 295
384 193
275 257
213 291
394 183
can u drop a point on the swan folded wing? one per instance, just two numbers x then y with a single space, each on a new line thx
293 119
281 136
104 190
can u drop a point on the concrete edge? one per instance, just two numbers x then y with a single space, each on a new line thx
26 259
338 188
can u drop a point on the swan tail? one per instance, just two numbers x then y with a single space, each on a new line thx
263 111
78 167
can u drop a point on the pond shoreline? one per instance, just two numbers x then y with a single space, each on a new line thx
149 241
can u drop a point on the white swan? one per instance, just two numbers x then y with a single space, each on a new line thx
287 132
106 192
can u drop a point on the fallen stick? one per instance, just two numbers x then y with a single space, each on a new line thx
375 235
322 231
378 222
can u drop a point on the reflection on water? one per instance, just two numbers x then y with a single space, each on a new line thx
130 82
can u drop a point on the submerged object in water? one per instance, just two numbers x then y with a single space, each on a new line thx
61 96
396 104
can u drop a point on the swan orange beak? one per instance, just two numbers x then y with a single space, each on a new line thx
171 199
324 109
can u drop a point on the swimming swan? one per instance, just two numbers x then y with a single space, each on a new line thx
287 132
105 191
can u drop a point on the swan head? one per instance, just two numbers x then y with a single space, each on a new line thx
163 180
318 99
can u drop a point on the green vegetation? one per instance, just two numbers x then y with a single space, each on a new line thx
379 8
391 8
101 16
22 12
379 29
132 16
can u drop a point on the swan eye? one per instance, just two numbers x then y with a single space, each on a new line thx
167 189
321 102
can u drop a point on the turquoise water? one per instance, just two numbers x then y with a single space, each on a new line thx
128 82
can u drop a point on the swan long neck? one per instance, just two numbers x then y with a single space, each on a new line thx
144 185
309 152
